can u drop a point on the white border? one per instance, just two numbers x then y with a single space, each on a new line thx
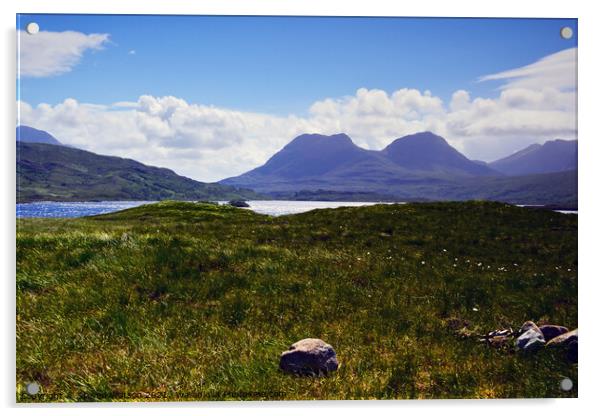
590 111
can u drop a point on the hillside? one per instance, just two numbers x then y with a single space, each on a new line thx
48 172
552 156
558 188
179 299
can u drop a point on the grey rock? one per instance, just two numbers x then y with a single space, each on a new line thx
552 331
499 333
310 356
531 338
568 341
564 340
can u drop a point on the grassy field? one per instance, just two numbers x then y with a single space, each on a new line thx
184 301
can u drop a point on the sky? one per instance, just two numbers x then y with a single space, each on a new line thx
214 96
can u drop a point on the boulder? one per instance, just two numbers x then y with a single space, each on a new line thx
563 340
569 341
552 331
530 337
310 356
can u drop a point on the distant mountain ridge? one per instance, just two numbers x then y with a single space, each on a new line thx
318 156
320 159
415 167
31 135
552 156
48 172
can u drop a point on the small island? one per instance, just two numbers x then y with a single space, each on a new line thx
239 203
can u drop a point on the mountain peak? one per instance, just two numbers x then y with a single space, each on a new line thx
422 136
315 139
311 155
31 135
559 142
426 151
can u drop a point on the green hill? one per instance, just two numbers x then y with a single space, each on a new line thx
184 301
48 172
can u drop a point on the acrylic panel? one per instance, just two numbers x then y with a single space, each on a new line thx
295 208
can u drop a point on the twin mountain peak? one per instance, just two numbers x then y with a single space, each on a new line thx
417 155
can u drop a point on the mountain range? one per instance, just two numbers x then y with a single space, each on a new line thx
420 166
414 167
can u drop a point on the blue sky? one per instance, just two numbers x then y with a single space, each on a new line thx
281 65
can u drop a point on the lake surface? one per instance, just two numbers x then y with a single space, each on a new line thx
82 209
73 209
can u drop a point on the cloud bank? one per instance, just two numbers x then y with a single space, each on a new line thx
535 103
47 54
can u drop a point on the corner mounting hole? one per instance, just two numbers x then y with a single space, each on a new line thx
566 32
32 28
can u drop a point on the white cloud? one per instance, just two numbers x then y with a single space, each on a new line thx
460 100
558 71
48 54
373 118
210 143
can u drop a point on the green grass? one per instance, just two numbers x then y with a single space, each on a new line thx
184 301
